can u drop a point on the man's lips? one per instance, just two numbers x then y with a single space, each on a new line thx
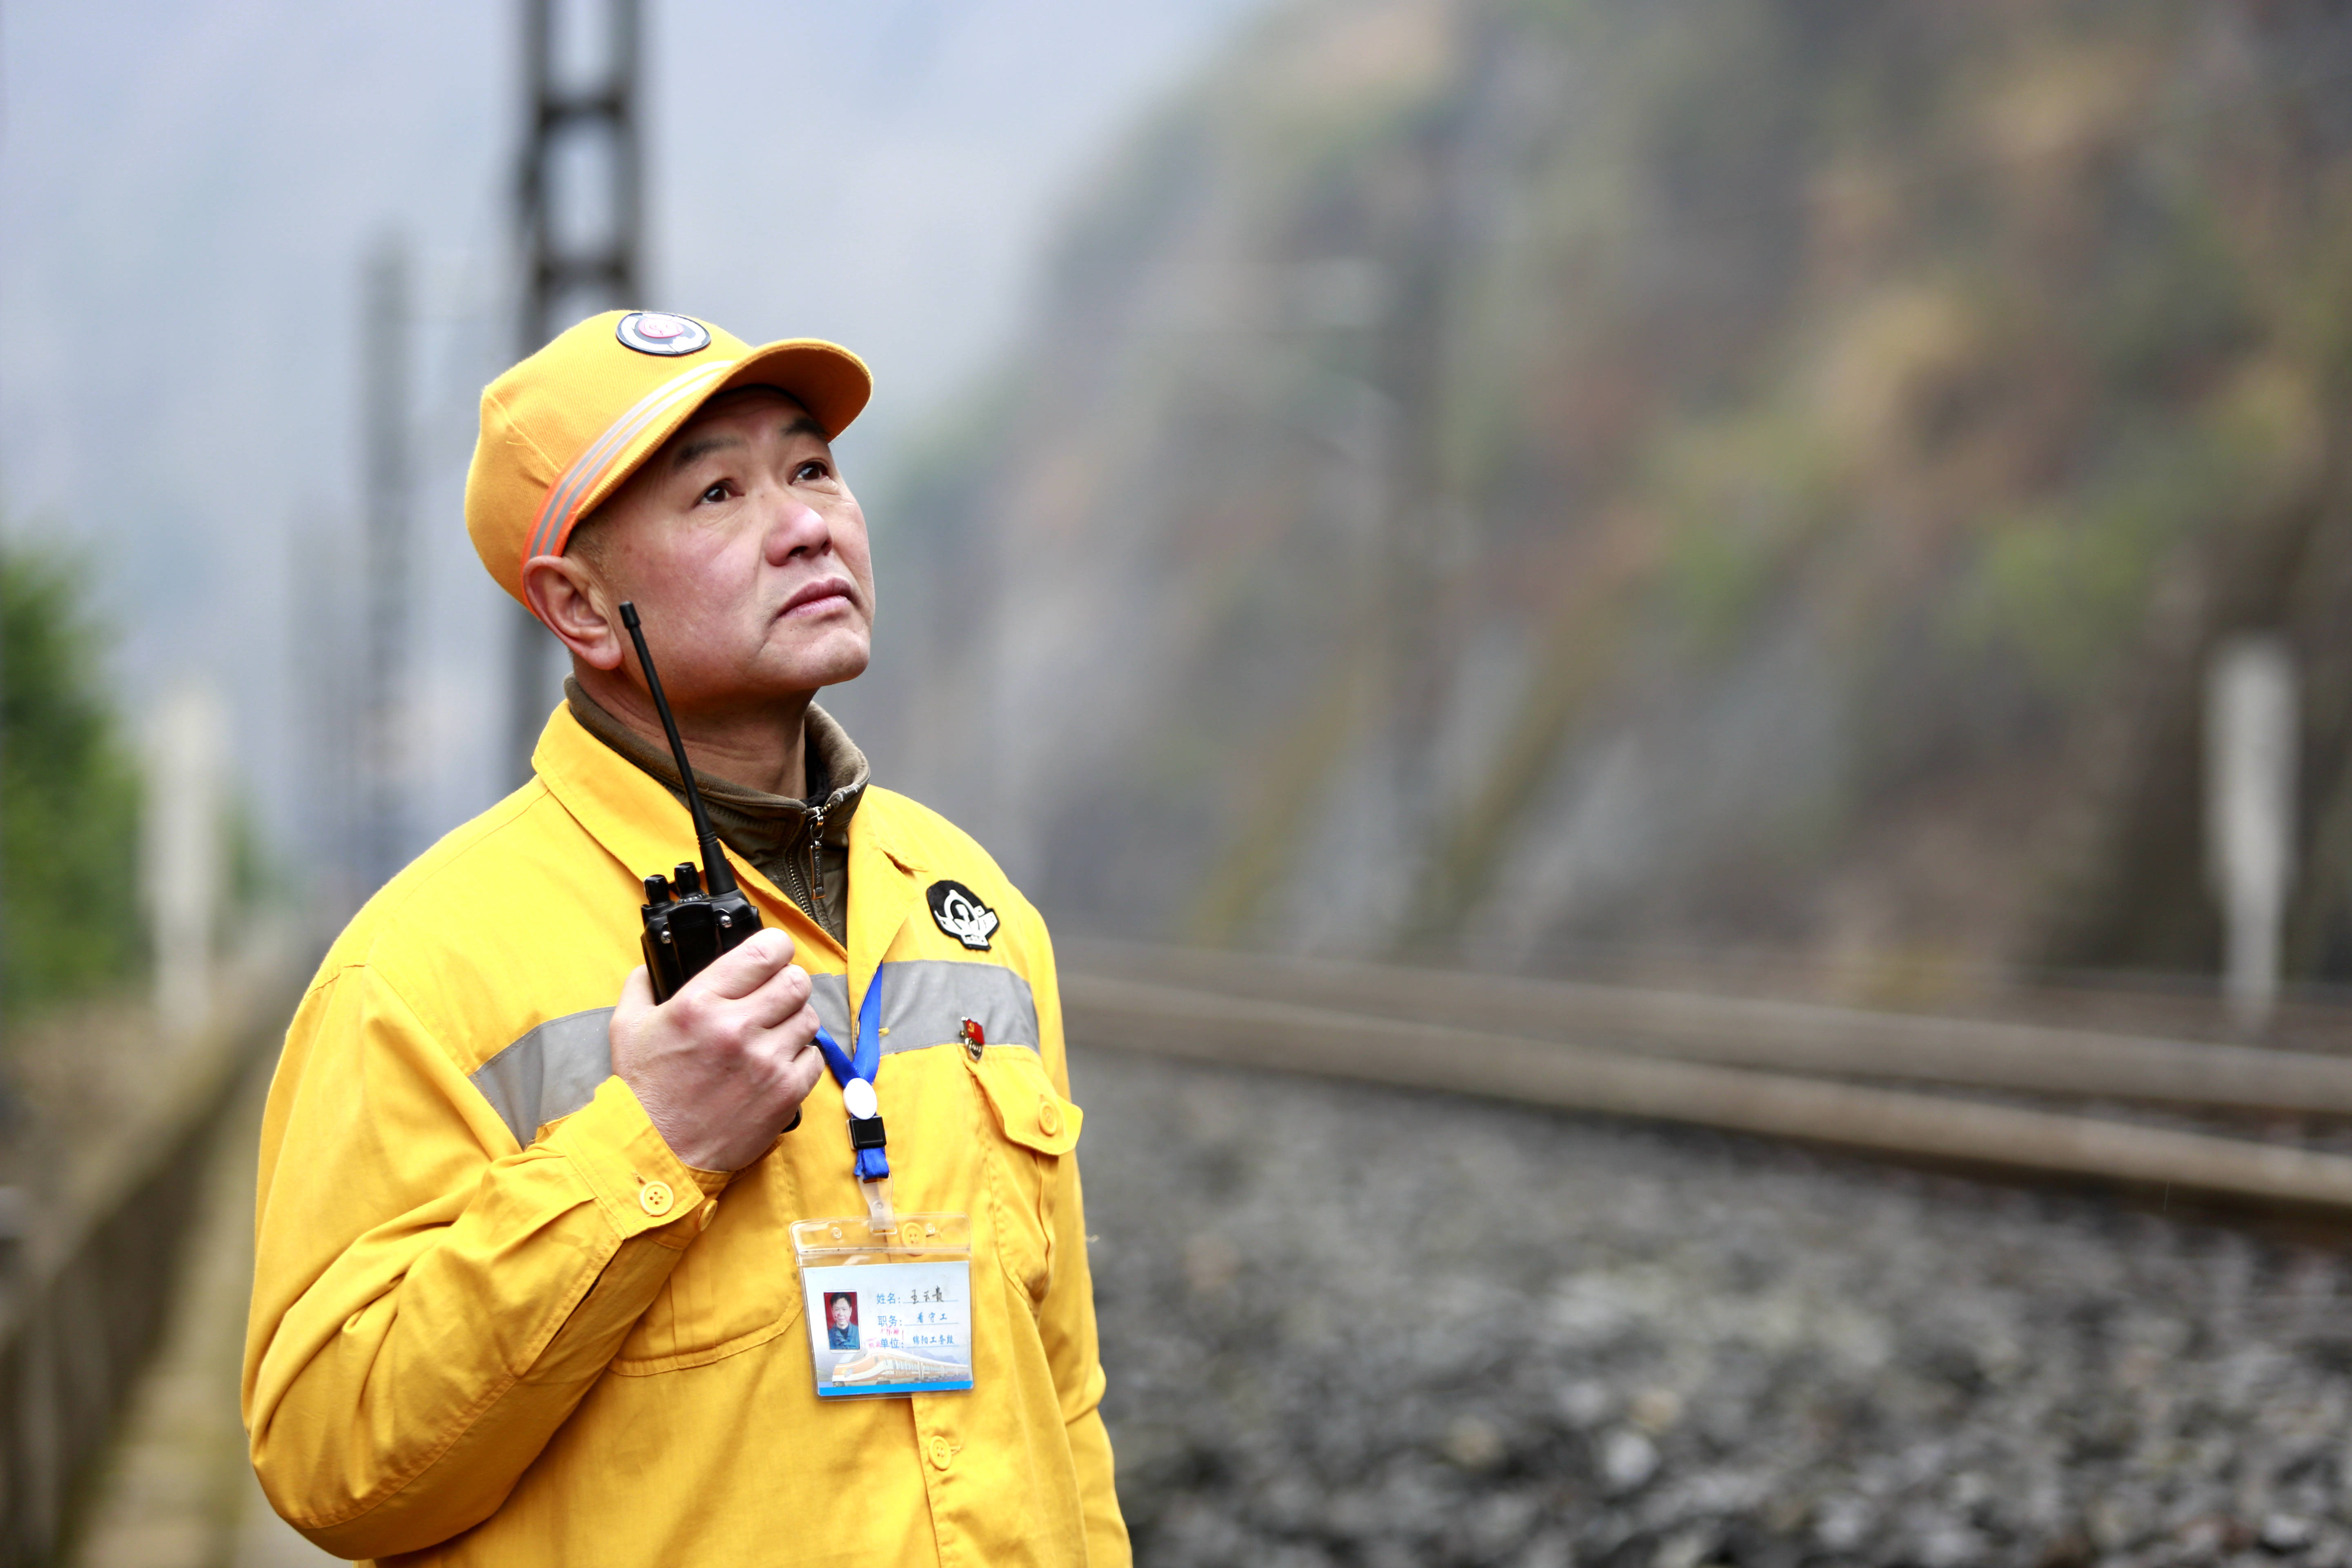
833 593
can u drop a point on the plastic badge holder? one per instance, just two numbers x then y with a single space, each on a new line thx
889 1306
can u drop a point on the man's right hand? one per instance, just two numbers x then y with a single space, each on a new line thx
722 1066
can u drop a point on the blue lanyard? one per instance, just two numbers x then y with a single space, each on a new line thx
865 1062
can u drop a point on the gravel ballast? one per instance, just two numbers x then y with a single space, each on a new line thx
1346 1324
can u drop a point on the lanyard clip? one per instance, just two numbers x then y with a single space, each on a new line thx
869 1159
877 1205
868 1138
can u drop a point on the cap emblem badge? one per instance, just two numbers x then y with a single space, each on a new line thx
656 333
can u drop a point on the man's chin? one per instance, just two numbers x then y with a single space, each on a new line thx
815 669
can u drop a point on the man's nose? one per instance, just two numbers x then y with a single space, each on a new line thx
795 528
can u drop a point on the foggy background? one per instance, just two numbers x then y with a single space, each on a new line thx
1682 504
1570 487
191 193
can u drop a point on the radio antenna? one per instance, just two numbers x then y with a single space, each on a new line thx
717 876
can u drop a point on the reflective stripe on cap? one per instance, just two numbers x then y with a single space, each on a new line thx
558 514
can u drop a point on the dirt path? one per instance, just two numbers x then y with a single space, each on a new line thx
175 1491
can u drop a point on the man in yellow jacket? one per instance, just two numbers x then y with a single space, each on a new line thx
527 1289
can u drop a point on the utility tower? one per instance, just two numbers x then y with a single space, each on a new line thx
384 401
580 213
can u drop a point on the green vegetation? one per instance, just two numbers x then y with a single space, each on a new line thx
68 793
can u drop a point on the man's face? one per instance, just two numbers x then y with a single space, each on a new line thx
746 555
841 1313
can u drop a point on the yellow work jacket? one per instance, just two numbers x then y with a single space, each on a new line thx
482 1332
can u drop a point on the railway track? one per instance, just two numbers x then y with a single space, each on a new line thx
2045 1102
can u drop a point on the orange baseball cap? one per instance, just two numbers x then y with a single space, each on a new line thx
562 430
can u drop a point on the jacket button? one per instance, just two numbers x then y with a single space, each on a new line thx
656 1198
1049 1117
942 1455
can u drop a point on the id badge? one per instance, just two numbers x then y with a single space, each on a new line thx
888 1308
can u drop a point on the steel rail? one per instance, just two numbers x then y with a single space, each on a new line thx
1788 1037
1108 1011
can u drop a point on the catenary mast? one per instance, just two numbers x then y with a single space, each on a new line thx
579 213
385 405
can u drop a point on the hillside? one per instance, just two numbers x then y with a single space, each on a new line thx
1501 482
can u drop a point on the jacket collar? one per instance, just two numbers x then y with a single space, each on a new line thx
832 756
643 825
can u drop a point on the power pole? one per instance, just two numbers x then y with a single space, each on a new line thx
579 213
386 401
322 631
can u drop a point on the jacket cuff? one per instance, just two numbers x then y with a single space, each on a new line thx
641 1186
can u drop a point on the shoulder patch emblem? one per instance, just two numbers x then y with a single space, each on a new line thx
961 915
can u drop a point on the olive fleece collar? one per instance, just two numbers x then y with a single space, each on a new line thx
769 830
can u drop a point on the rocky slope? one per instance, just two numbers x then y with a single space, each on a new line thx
1496 477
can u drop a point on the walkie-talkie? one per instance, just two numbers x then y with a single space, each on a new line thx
691 917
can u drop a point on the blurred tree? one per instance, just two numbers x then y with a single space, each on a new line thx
68 793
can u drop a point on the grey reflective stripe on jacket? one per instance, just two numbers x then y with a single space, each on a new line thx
926 1000
558 1065
554 1069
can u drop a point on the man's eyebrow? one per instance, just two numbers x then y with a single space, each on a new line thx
689 451
702 447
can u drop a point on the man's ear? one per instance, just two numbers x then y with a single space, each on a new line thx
567 598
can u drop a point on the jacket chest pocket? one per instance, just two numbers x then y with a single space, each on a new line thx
730 1290
1030 1129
